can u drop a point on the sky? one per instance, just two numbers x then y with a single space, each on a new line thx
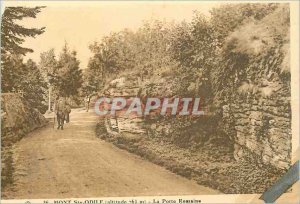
80 23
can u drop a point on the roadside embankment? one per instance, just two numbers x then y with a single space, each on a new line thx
207 159
17 119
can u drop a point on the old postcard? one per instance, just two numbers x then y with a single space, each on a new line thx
139 102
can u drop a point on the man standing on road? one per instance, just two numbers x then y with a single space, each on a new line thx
60 109
87 103
67 112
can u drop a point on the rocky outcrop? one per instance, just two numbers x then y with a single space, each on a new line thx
17 119
131 85
212 150
124 86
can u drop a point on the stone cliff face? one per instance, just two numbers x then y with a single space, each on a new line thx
260 124
257 113
125 86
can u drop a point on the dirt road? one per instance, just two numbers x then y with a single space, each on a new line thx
52 163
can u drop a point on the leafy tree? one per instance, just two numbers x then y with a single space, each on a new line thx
47 66
67 77
47 63
25 78
113 54
12 36
142 51
12 68
194 47
33 86
152 48
91 83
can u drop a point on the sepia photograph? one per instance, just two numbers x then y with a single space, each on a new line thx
149 102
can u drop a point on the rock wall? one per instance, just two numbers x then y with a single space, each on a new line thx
257 110
257 118
195 149
261 127
261 132
257 114
204 149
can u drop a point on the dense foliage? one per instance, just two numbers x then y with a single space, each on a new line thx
201 57
17 76
204 56
63 75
